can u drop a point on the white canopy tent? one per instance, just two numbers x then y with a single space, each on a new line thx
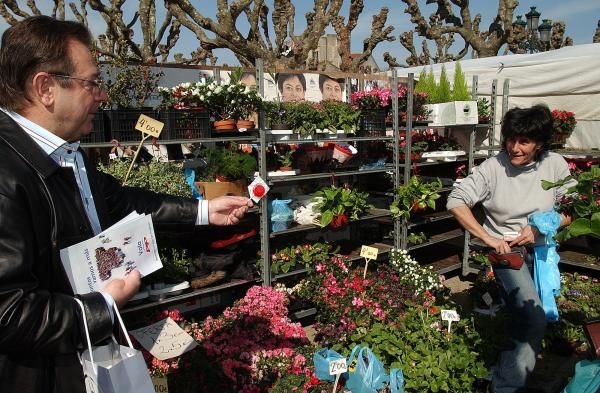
566 79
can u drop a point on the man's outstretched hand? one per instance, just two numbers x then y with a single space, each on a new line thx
227 210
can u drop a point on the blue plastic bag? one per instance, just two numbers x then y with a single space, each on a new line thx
368 374
321 360
546 275
586 379
396 380
281 214
190 176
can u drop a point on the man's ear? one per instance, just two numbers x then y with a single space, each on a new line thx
43 89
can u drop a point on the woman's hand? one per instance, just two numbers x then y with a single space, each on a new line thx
499 245
526 237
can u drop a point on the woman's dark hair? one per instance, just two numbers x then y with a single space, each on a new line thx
324 78
535 123
35 44
283 77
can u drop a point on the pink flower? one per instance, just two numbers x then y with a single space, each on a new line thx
357 302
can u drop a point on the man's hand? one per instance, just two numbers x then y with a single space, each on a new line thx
122 290
227 210
526 237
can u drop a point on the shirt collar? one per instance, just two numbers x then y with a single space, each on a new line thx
48 141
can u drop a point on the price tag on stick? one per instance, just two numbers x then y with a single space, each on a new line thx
337 367
450 316
148 127
369 253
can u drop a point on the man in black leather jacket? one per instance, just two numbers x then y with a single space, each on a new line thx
50 92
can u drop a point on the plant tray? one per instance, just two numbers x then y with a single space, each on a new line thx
122 124
187 123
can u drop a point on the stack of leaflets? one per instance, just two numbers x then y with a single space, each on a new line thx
129 244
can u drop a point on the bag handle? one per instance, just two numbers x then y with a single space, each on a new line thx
87 332
397 380
85 327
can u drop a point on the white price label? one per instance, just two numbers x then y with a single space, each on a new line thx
148 125
487 298
337 366
369 252
450 315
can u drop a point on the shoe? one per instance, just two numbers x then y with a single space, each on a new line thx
201 282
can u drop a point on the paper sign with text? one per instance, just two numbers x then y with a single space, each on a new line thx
160 385
450 315
164 339
337 366
148 125
369 252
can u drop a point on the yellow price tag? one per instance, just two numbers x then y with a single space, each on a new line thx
148 125
369 252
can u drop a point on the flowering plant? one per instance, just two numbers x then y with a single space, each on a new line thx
245 349
420 112
338 204
418 279
461 171
372 99
564 122
233 100
414 195
185 95
581 201
307 254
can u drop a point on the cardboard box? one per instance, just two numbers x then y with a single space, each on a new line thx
211 190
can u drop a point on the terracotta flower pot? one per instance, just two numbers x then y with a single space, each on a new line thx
286 168
224 125
244 125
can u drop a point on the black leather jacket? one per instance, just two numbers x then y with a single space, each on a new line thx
40 213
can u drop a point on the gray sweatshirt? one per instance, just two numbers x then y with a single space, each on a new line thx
508 193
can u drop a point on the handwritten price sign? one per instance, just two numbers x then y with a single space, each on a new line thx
164 339
148 125
337 366
369 252
450 315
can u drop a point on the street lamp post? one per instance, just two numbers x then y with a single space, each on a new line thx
533 42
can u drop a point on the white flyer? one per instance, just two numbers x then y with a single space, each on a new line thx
129 244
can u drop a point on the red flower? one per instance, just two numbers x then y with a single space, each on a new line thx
314 380
339 221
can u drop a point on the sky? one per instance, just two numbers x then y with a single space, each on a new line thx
581 18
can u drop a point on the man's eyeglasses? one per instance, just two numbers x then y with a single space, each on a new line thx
94 85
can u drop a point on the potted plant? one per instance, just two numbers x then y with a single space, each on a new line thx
373 105
483 110
415 195
563 126
420 112
276 114
224 171
231 101
447 106
582 203
285 160
184 110
338 204
128 88
338 115
304 117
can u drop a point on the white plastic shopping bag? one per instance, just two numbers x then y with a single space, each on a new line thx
114 368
